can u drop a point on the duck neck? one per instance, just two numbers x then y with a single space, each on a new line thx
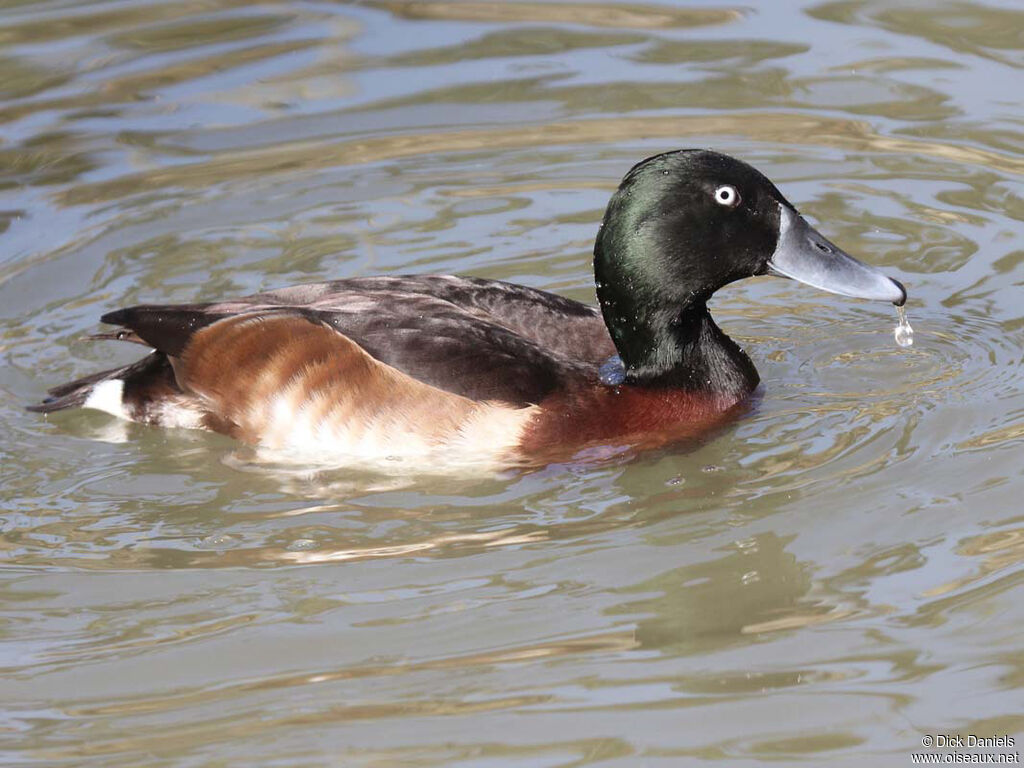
680 348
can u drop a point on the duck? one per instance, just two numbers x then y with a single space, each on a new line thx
462 369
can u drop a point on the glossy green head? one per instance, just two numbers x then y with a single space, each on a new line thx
682 225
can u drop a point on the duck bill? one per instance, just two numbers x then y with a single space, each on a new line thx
804 254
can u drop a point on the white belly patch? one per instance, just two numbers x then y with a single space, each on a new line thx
487 434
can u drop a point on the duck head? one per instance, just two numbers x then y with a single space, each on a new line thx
682 225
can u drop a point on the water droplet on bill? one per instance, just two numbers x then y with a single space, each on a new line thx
903 333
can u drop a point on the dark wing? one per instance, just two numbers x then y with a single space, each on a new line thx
480 339
554 323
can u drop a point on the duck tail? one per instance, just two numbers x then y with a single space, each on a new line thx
111 390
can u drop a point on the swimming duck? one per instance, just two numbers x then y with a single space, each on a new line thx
462 368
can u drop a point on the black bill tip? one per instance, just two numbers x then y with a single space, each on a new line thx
903 290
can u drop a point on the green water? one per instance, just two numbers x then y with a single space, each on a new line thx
825 582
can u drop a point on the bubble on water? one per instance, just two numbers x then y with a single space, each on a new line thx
302 545
218 541
903 333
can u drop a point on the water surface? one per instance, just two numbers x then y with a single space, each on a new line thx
827 580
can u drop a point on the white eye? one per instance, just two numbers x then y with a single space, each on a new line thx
727 195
